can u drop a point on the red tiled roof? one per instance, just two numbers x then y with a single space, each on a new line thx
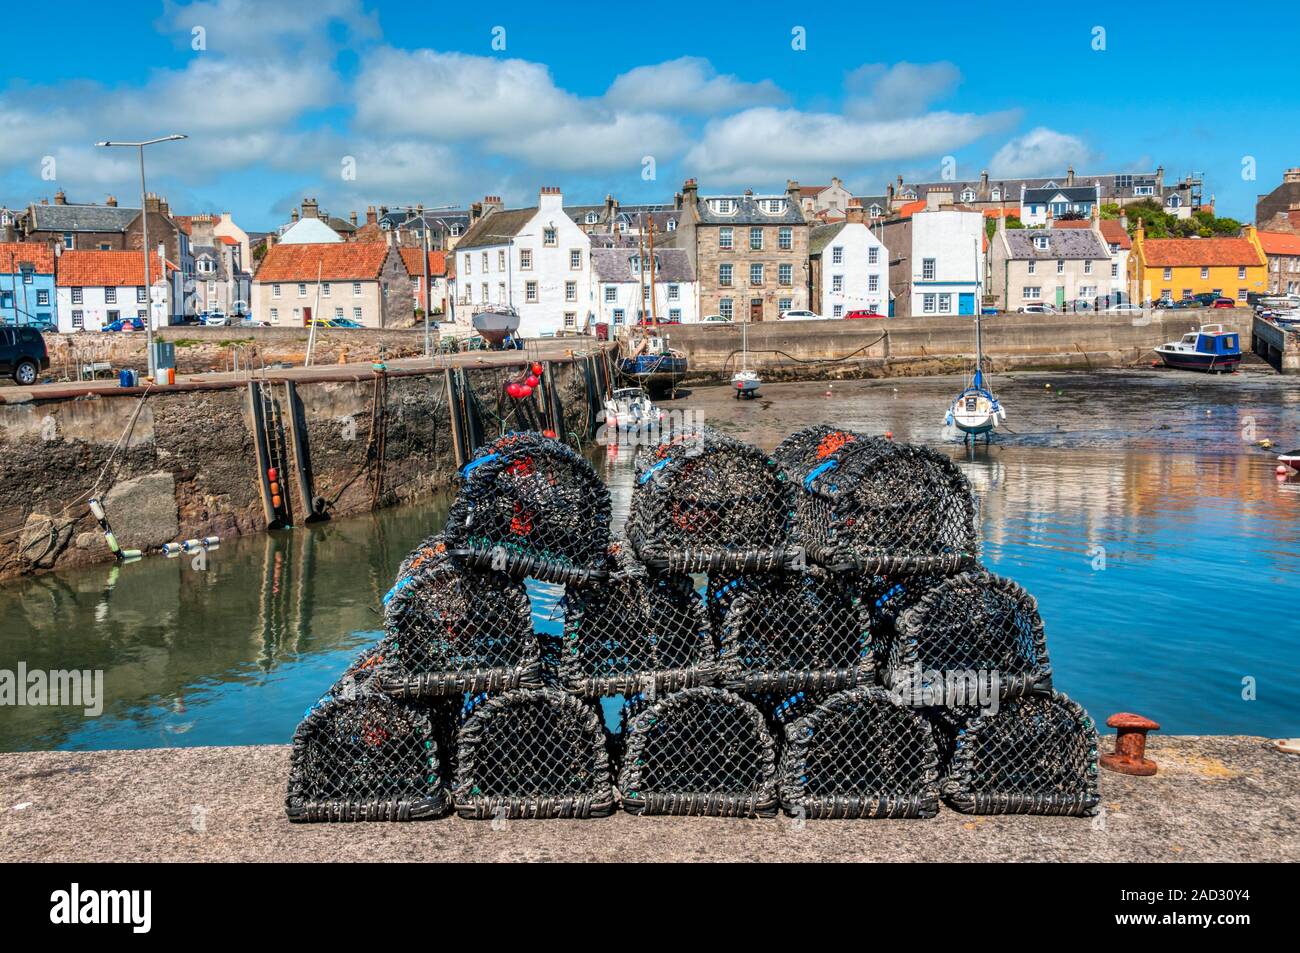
1114 233
342 261
1199 252
1072 223
1280 243
908 210
107 269
227 240
437 263
41 255
1002 212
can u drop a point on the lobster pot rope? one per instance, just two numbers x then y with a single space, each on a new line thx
805 449
532 754
708 503
860 753
883 508
1036 755
700 751
366 758
452 629
531 506
790 632
961 631
635 631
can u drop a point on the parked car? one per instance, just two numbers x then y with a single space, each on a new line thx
1223 303
714 319
801 316
23 354
861 313
1037 309
214 319
43 325
336 323
253 323
188 320
1184 304
124 324
1123 309
1078 305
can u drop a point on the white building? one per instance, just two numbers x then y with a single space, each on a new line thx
621 284
536 260
947 262
95 288
849 266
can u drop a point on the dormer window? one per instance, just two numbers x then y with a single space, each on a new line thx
592 218
1040 242
909 193
385 225
968 195
672 225
996 195
724 206
875 210
772 206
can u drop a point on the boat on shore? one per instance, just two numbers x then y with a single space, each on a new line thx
745 381
651 363
495 323
1210 349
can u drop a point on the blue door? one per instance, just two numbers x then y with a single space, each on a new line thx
966 303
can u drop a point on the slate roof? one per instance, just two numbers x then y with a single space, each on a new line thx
81 218
614 265
821 236
217 258
497 228
747 211
334 261
1070 243
1075 193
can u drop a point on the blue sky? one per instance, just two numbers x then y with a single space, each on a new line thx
388 103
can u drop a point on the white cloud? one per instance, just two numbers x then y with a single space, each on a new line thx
689 84
877 91
256 29
768 145
597 142
1040 151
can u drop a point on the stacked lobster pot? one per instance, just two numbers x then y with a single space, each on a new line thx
963 705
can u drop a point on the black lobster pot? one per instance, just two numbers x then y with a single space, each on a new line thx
955 632
1036 755
366 758
536 753
860 753
708 503
635 632
873 506
700 751
452 629
791 632
531 506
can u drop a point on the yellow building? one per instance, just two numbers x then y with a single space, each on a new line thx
1177 268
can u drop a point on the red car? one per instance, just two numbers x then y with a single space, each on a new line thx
862 314
1223 303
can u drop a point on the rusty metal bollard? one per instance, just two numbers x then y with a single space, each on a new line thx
1130 745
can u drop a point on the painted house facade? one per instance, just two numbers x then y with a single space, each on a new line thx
1042 205
27 284
622 285
1178 268
536 260
945 265
1052 266
95 288
848 268
365 282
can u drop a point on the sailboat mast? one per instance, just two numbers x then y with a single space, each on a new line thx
654 317
640 262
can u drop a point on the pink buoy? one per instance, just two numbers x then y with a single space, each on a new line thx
1281 470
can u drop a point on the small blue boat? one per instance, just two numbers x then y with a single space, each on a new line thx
652 363
1209 349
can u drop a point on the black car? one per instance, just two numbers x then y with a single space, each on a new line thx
22 354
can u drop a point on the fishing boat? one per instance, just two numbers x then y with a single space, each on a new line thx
1290 459
1209 349
744 380
651 362
630 408
495 323
976 410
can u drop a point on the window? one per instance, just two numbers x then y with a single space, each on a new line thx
724 275
325 289
113 316
110 296
575 259
1169 274
530 291
501 260
927 269
1060 266
1241 294
78 319
356 289
501 292
570 319
996 195
726 309
1087 266
356 315
1241 273
873 282
928 303
69 240
618 315
485 292
837 255
675 315
1145 190
873 255
1205 272
1123 181
968 195
570 291
837 311
724 237
140 295
525 259
755 274
945 303
672 225
673 292
1040 241
785 239
592 218
1114 269
549 237
611 294
645 293
469 264
76 295
784 304
1032 267
43 298
1031 293
837 283
756 239
724 206
1187 292
275 315
338 312
785 274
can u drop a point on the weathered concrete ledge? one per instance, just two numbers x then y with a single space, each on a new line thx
1219 798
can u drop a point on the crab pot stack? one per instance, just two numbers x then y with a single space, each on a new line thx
532 753
699 751
531 506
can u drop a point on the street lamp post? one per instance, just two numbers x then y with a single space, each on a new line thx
144 239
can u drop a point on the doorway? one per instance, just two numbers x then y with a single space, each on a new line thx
755 309
306 317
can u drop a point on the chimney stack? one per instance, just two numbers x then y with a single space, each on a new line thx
855 214
111 201
352 217
60 198
371 217
293 216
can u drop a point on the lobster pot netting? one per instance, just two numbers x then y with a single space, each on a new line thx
805 449
532 754
711 503
531 506
367 758
635 631
700 751
860 753
975 632
796 631
1035 755
452 629
884 508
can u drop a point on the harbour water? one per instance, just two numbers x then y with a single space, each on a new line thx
1136 506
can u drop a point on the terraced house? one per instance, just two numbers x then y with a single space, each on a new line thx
1054 266
365 282
1178 268
749 252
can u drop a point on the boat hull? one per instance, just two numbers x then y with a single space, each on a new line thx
1195 361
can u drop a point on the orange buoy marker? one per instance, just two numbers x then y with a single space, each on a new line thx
889 435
